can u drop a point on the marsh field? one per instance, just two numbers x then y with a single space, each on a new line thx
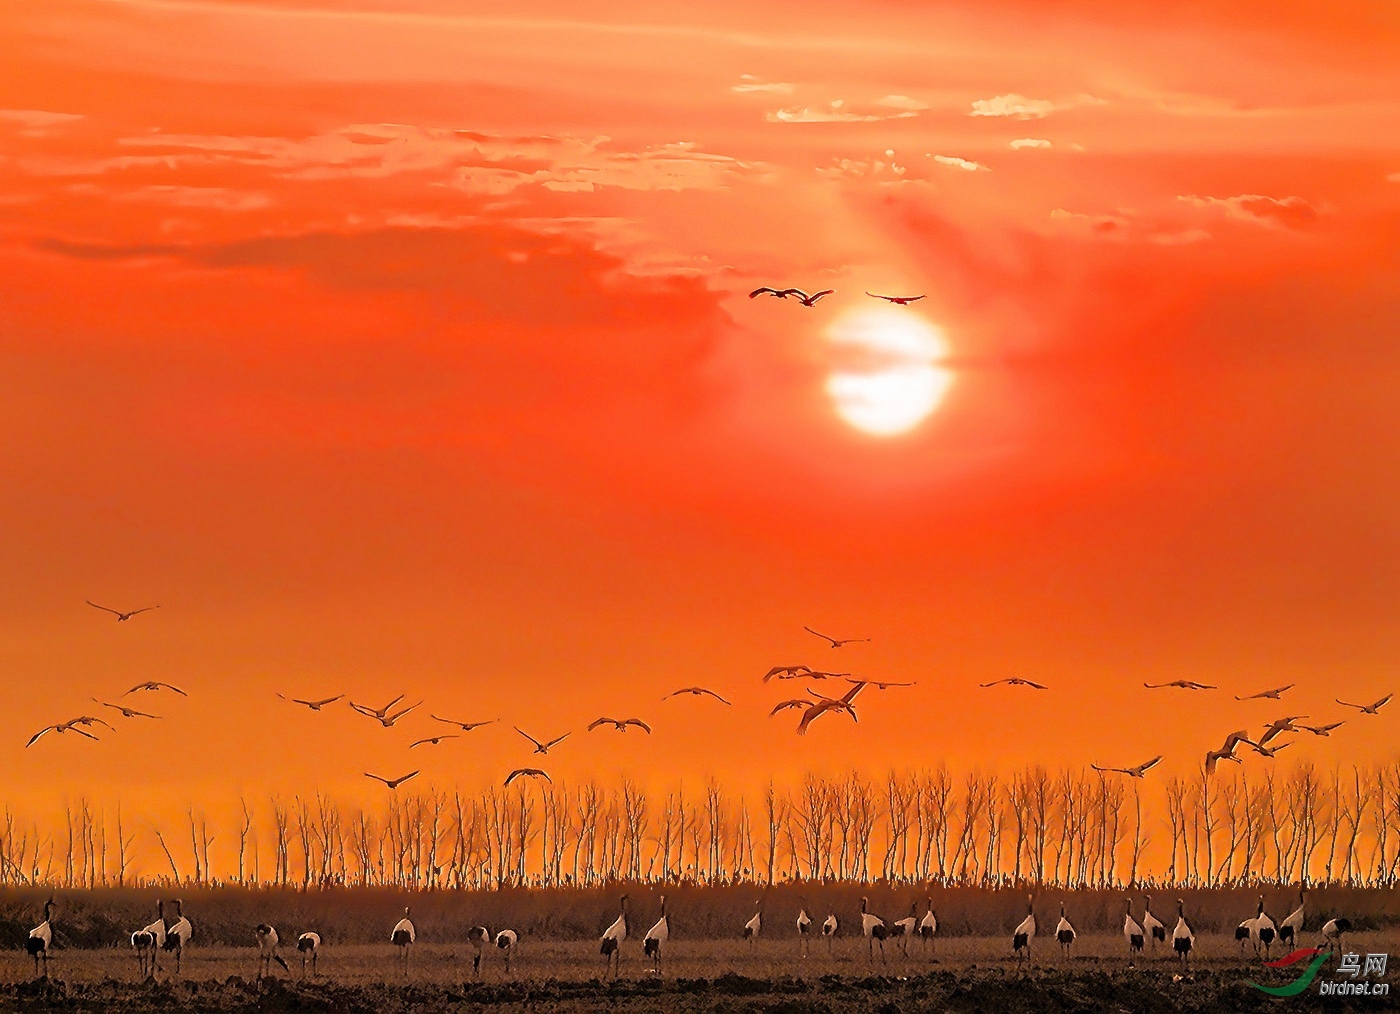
706 966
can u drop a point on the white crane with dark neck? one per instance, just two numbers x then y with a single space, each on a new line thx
1022 935
612 940
656 937
403 936
40 940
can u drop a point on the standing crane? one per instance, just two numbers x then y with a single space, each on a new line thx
754 925
403 936
505 943
40 940
1292 926
1151 924
804 928
928 925
873 927
309 945
179 934
267 950
1022 934
656 936
829 927
1182 937
1132 932
478 937
1064 932
612 940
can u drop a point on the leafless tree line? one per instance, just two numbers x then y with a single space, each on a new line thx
1065 828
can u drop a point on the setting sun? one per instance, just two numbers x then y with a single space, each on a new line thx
885 378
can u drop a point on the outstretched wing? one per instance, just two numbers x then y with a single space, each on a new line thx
94 605
818 295
1033 683
756 292
39 735
378 778
532 739
169 686
601 721
1150 764
714 695
796 702
399 781
1380 703
328 700
812 713
639 723
557 740
1122 771
143 609
397 716
825 637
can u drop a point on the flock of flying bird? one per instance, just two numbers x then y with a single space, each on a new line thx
811 300
813 706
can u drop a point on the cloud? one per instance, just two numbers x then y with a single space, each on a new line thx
1285 212
1125 226
1018 106
835 113
1393 178
1013 105
901 102
960 163
37 122
750 83
1031 142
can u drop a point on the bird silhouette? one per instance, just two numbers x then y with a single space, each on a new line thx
826 704
797 702
1226 752
377 712
897 300
155 685
1182 684
879 684
434 740
527 772
836 642
386 720
121 616
1322 730
696 691
393 783
1366 709
542 747
786 672
621 724
802 297
1133 772
1275 694
1279 726
1016 681
464 726
126 712
60 728
313 705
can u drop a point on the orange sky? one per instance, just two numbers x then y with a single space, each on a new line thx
395 348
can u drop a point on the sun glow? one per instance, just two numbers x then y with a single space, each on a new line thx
885 378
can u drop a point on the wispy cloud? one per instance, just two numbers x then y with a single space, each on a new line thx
37 122
1019 107
1258 209
750 83
961 163
1031 142
836 112
901 102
